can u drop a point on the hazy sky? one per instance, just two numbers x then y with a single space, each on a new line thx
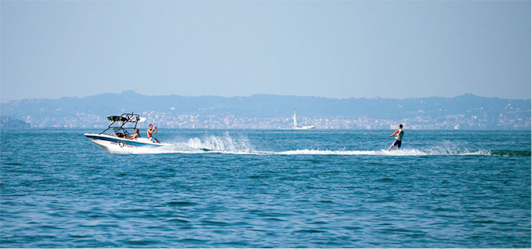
391 49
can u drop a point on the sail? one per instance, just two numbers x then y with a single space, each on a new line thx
295 121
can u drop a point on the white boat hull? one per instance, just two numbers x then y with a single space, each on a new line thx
115 144
305 127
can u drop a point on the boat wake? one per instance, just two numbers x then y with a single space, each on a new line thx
241 145
209 144
405 152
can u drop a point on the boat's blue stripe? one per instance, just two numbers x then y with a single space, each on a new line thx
128 142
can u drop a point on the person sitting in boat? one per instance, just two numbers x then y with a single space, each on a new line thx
118 134
136 135
152 130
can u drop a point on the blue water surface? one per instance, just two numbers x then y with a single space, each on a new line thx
268 188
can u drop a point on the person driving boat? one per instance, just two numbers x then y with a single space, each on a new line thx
136 135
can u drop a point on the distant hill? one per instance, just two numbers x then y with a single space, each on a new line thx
270 107
7 122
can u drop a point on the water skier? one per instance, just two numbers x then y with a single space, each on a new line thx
398 137
152 130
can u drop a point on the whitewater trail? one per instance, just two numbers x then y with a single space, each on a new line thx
241 146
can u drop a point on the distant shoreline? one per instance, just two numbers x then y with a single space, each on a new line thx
465 112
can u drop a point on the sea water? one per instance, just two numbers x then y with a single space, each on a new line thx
268 188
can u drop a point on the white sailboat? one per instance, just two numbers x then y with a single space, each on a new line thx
308 127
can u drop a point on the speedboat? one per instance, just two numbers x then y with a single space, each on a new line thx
117 137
